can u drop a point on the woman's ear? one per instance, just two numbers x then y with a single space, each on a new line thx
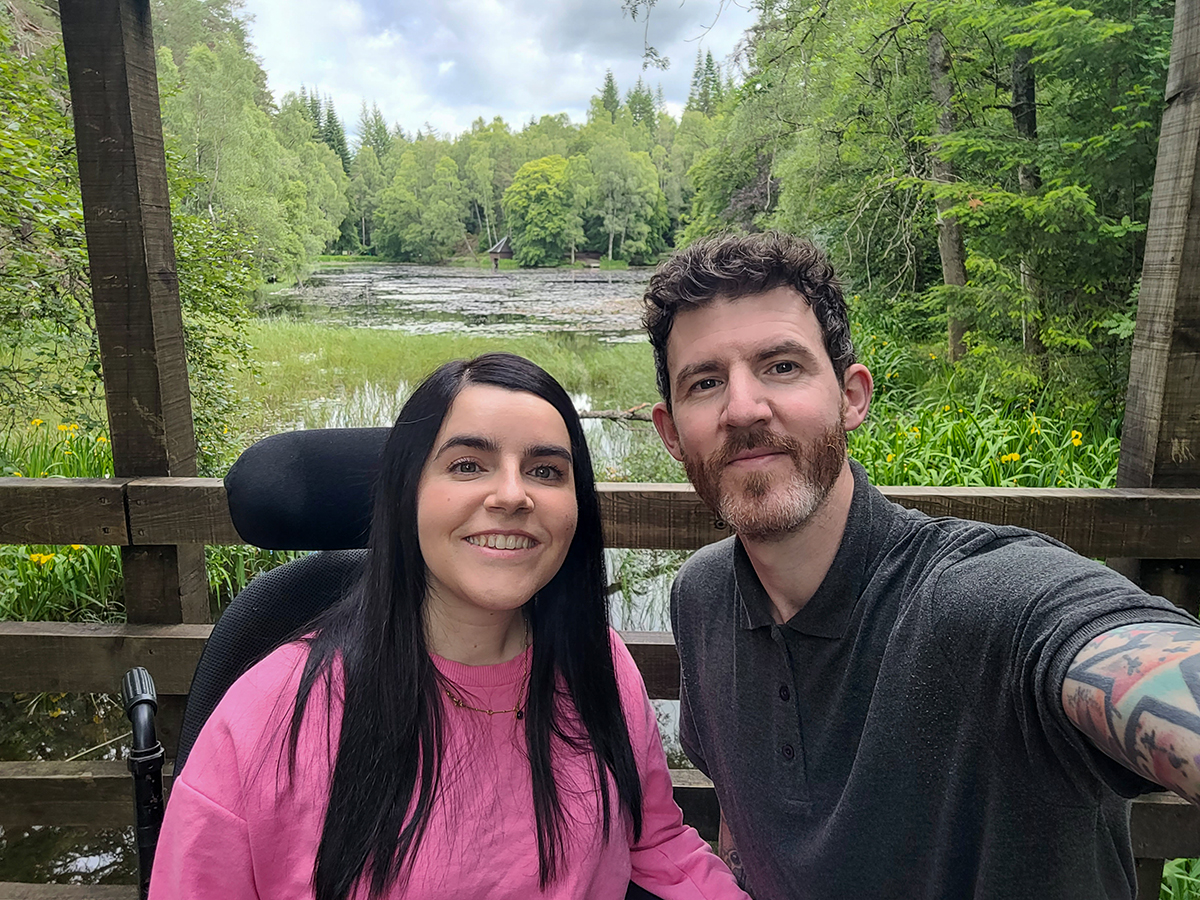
857 387
665 426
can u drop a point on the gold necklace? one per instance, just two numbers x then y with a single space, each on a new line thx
520 713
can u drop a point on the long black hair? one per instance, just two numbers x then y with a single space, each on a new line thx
386 775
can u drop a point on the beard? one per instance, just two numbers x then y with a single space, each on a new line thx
763 506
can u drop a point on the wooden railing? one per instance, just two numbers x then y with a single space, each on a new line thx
46 656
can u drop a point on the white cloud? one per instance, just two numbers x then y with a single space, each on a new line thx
446 62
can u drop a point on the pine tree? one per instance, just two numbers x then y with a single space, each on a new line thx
610 97
373 130
693 101
660 99
334 135
712 81
640 103
313 103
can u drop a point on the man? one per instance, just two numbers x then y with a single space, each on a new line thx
889 705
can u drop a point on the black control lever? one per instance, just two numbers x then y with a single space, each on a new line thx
146 763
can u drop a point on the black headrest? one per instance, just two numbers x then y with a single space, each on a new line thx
306 490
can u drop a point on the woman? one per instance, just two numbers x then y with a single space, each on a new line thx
464 723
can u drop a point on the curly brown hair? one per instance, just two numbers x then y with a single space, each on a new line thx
730 266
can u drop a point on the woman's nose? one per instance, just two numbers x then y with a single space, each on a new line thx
508 490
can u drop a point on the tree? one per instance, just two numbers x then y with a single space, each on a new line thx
627 200
333 135
537 205
610 97
640 103
373 131
366 183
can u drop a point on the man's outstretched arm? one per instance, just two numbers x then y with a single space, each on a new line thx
1135 692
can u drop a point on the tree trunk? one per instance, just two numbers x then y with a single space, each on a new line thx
1024 113
950 242
610 243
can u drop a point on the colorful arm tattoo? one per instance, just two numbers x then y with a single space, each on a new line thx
1135 692
729 854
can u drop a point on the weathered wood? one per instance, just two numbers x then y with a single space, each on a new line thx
16 891
1149 872
100 794
1160 441
68 656
85 657
1150 523
44 510
1165 826
135 289
656 658
179 511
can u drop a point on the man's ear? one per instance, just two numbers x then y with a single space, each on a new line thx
666 429
857 387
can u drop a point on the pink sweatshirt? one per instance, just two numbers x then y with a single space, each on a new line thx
234 829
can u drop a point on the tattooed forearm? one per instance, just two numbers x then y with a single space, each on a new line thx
1135 691
728 853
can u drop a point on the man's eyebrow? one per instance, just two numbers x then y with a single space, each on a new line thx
471 441
786 348
690 371
540 450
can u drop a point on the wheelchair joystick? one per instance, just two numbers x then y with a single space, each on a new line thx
146 763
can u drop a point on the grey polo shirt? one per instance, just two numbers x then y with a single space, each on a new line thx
903 734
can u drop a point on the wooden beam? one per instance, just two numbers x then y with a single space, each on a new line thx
135 289
1150 523
16 891
43 510
87 657
100 794
1160 440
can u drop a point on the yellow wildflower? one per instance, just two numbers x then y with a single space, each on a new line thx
62 427
1077 442
916 431
960 409
101 439
66 452
1010 457
891 456
41 558
1076 434
36 422
77 546
946 408
933 356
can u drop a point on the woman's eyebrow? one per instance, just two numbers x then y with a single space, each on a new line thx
539 450
471 441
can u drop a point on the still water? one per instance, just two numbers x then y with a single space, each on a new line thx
604 305
441 299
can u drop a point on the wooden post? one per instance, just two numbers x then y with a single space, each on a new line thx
127 218
1160 444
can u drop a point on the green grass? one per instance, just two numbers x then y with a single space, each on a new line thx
1181 880
302 363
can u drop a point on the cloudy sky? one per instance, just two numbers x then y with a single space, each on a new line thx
445 62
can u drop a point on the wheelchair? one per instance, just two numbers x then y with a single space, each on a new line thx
304 490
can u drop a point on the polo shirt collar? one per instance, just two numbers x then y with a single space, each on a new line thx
829 611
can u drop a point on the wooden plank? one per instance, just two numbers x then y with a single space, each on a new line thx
656 658
135 288
1149 523
1160 440
16 891
86 657
69 656
179 511
62 511
99 794
1165 826
1149 873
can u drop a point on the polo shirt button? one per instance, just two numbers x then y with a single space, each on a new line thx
787 751
784 694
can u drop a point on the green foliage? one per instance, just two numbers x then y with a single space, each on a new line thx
1181 880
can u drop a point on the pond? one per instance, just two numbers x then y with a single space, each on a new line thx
604 305
442 299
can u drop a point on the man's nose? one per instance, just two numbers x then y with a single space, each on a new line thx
745 400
